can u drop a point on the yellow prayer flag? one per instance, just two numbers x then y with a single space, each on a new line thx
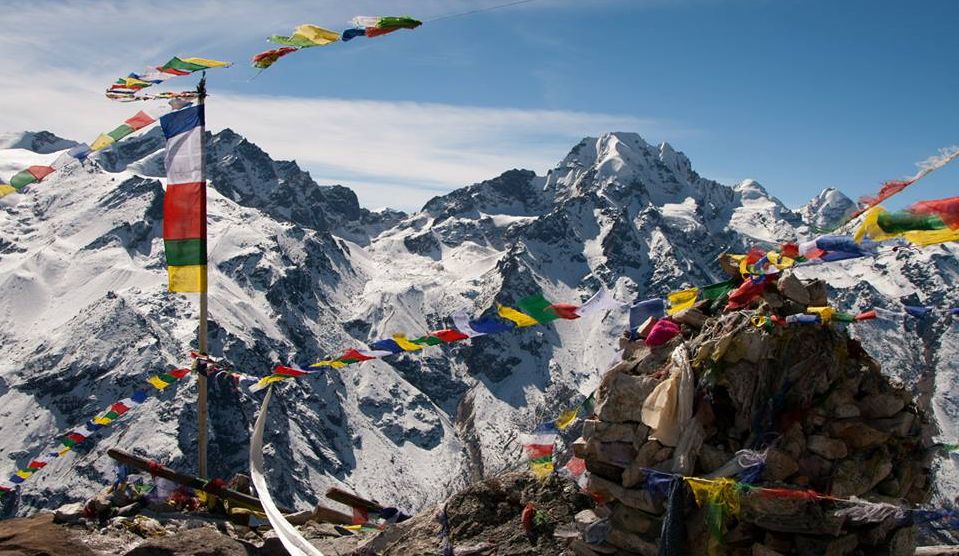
207 62
188 279
157 382
267 380
63 451
24 473
402 341
102 420
101 142
541 470
6 189
521 320
681 300
923 238
825 313
566 418
782 262
316 35
329 363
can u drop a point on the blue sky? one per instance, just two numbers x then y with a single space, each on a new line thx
799 95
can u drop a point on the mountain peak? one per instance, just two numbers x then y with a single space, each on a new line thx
827 209
40 142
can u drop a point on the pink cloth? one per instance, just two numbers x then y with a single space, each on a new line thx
662 332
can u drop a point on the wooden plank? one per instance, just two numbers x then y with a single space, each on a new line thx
352 500
154 468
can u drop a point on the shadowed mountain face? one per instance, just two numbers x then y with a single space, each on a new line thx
300 271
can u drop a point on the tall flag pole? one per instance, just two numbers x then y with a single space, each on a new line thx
201 399
184 227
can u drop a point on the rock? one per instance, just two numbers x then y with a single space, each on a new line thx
763 550
880 406
826 447
773 300
846 411
712 458
903 542
901 425
622 398
792 288
584 519
639 499
613 432
633 520
855 478
814 467
580 548
38 535
857 435
842 546
779 466
68 513
632 543
620 454
692 317
817 291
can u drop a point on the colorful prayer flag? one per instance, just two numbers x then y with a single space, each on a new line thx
519 319
681 300
184 204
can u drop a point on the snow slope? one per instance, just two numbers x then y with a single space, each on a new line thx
300 271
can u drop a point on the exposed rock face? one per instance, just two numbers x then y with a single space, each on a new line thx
809 396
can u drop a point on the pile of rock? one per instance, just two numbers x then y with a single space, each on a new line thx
807 397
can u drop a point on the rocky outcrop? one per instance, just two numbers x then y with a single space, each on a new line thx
806 399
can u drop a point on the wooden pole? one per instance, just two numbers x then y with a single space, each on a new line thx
153 468
201 340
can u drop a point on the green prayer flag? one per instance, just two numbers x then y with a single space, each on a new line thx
536 307
185 252
904 221
22 180
715 291
120 132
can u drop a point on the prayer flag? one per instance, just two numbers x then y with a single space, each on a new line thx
681 300
519 319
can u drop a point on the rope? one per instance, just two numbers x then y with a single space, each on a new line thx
479 10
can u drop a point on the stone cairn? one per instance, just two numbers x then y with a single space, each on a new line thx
808 395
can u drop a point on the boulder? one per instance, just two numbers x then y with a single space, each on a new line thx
826 447
792 288
622 398
880 406
68 513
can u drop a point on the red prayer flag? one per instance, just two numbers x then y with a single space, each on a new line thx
76 437
288 371
353 354
40 172
119 408
866 315
184 211
179 373
536 451
946 209
376 31
140 120
565 310
449 335
745 294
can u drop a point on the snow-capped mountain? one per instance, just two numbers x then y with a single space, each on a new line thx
300 271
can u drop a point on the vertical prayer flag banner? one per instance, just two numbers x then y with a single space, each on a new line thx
538 448
184 204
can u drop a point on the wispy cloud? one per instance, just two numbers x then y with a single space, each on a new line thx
393 152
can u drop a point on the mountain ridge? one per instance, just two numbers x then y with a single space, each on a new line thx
301 272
